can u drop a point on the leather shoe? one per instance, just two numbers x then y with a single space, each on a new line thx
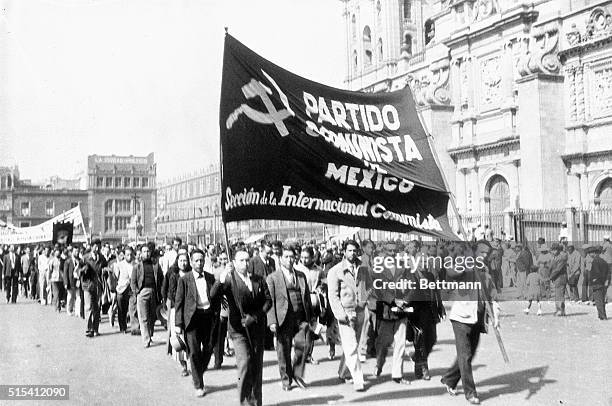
426 376
401 381
200 393
449 390
89 334
286 388
473 400
378 371
300 382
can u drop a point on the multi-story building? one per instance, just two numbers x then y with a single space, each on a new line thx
24 204
189 206
122 196
517 94
34 205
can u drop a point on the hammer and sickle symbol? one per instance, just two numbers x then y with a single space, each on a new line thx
253 89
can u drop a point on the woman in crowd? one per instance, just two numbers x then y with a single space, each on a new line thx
176 271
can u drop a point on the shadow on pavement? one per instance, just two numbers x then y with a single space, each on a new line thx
531 380
216 388
319 400
567 315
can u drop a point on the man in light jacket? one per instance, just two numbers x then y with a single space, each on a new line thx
348 294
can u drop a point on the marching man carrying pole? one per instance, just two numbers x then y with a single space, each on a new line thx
468 315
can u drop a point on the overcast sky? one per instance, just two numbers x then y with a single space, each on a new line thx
79 77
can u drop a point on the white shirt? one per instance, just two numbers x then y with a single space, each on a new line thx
203 302
289 275
169 259
247 280
123 271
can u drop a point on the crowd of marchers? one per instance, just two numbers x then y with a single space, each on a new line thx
269 296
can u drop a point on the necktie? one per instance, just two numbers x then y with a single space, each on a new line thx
200 275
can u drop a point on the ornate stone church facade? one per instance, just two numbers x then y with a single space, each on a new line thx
517 94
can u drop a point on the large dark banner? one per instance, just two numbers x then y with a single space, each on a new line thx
293 149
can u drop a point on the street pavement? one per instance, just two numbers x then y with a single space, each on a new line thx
553 361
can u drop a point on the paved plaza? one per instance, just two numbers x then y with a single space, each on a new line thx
554 361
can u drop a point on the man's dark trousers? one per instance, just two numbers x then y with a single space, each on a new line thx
249 363
221 333
599 297
466 342
198 340
123 304
11 286
294 329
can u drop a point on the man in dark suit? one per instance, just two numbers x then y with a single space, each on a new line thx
263 265
248 302
70 264
289 317
91 282
599 279
146 283
12 273
558 276
197 311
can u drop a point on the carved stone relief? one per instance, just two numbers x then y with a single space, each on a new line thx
490 80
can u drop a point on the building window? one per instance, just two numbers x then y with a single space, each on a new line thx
408 43
127 182
99 181
408 10
367 46
354 27
123 206
24 224
108 224
109 182
117 182
121 223
108 207
430 31
603 195
25 209
50 208
136 182
380 50
137 205
145 182
355 62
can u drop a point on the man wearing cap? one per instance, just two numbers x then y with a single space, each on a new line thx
558 276
524 262
543 263
584 281
573 272
599 279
